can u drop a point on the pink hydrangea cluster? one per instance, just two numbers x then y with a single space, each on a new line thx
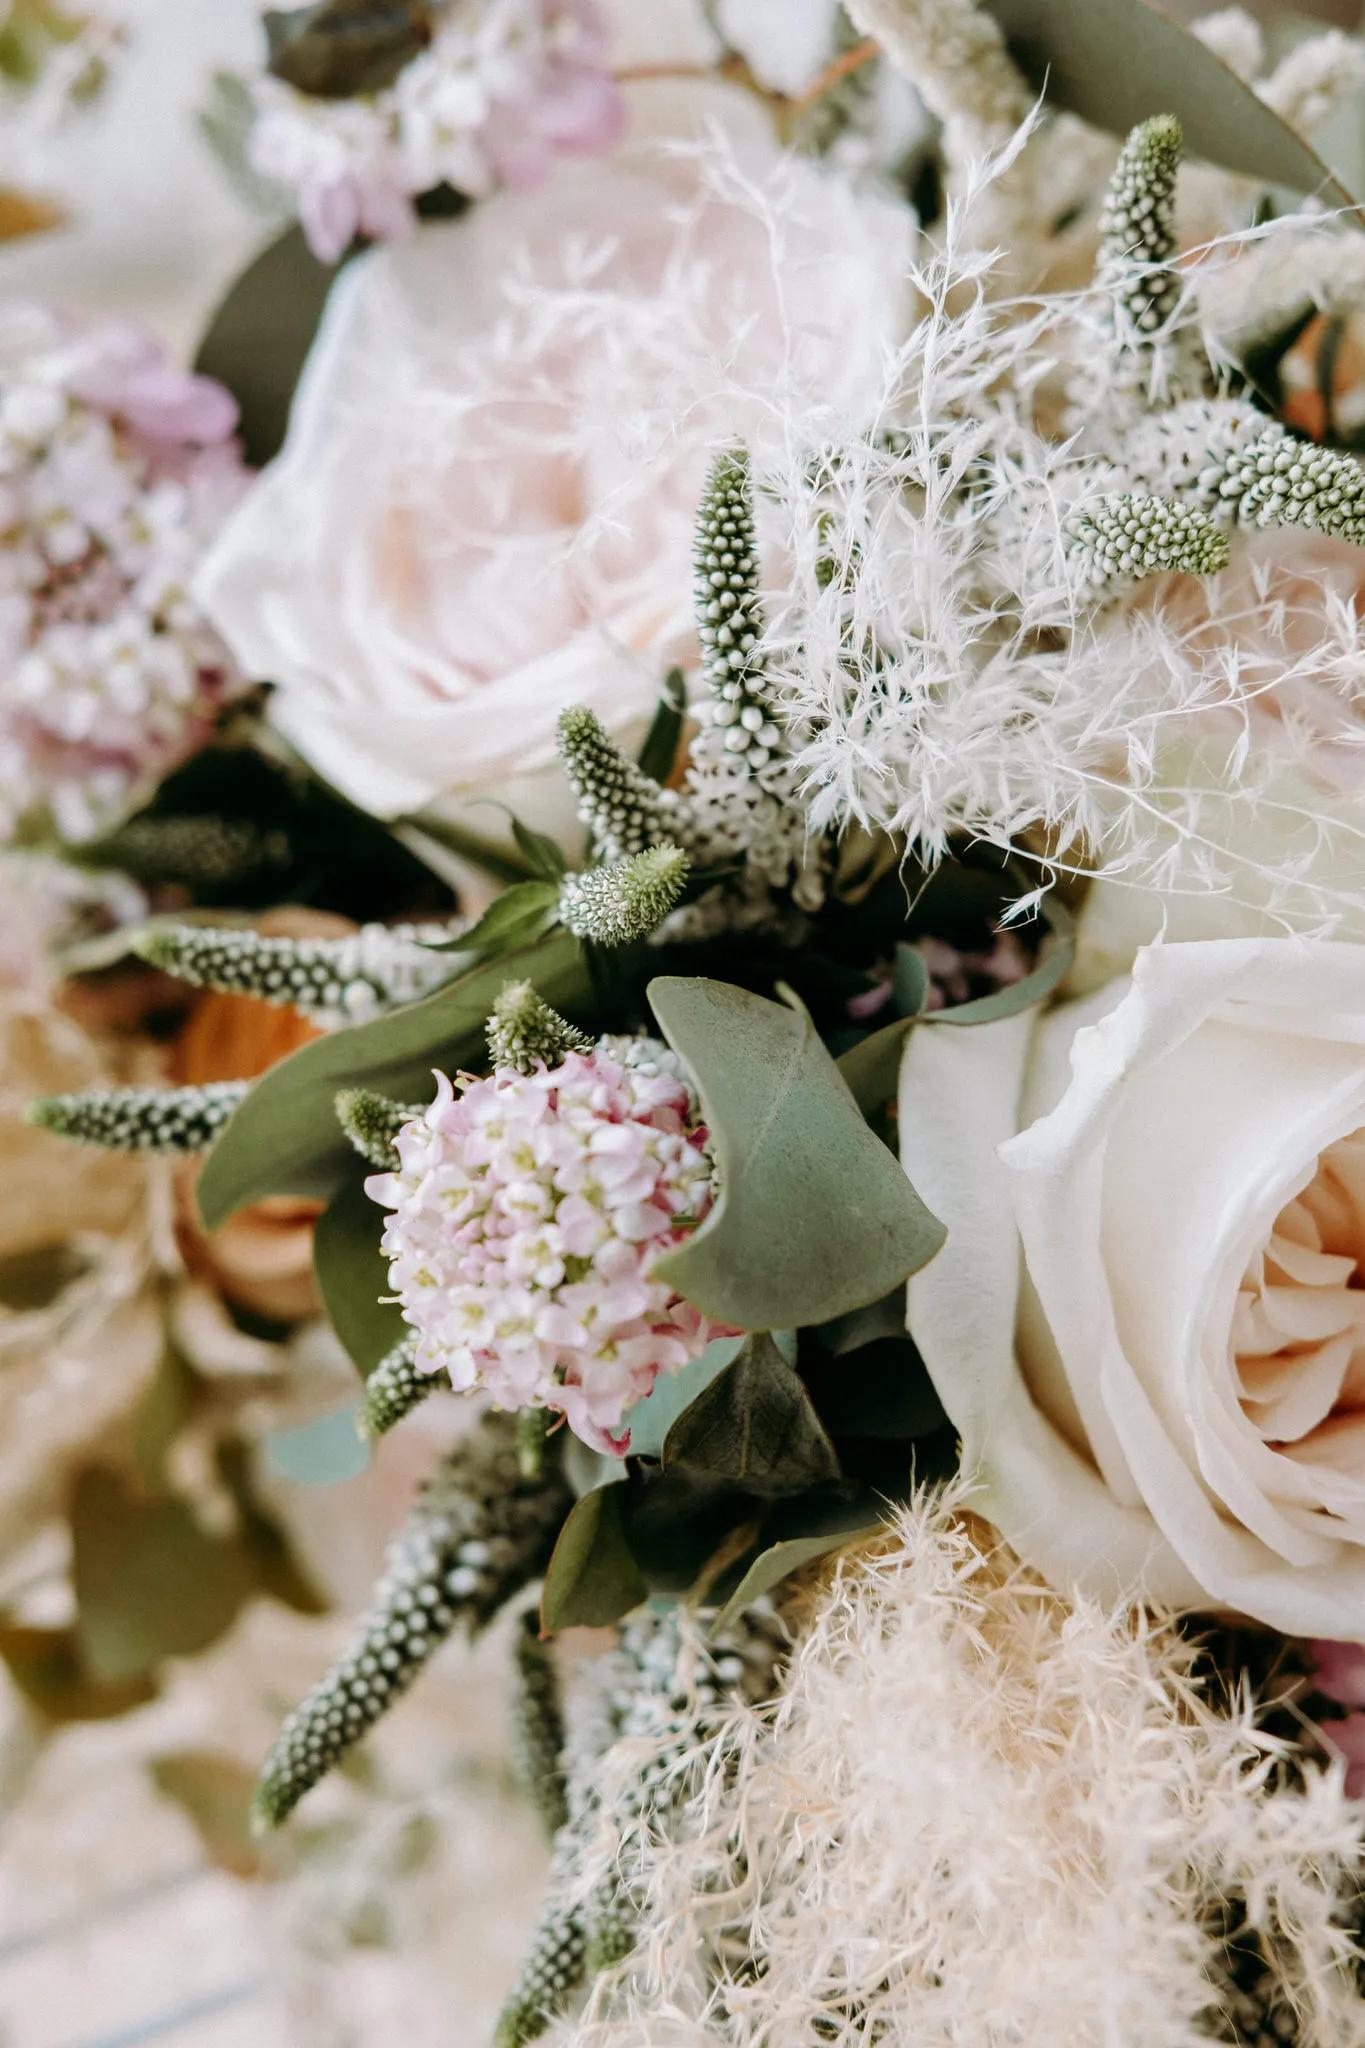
528 1213
116 470
503 88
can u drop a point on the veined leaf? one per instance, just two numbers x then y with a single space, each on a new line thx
517 918
338 49
650 1420
780 1560
285 1138
593 1579
352 1274
754 1425
815 1217
1118 62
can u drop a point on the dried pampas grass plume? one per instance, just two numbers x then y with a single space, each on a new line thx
980 1815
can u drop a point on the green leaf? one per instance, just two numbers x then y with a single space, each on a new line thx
659 753
780 1560
323 1453
881 1393
353 1274
225 121
544 855
592 1578
884 1318
1054 961
338 49
871 1069
815 1217
754 1425
150 1581
650 1420
910 983
1118 62
517 918
285 1138
258 339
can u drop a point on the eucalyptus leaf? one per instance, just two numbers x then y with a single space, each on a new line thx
517 918
1118 62
285 1138
814 1217
884 1318
353 1275
871 1069
150 1581
258 339
910 984
755 1426
650 1420
339 49
592 1579
659 753
1054 961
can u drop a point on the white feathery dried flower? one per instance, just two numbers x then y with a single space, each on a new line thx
979 1814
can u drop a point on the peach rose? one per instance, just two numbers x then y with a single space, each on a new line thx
1148 1321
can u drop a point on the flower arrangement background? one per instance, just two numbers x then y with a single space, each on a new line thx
701 783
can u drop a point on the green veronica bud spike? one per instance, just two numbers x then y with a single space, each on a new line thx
1124 536
1279 480
142 1119
537 1724
394 1389
479 1533
729 615
372 1122
616 905
553 1965
624 809
523 1031
333 981
1137 228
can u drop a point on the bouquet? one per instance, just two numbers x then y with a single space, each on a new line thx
741 661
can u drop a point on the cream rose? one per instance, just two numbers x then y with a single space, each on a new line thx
1148 1321
483 511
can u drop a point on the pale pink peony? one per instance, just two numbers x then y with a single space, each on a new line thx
528 1212
484 509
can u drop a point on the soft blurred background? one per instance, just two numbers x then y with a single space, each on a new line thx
134 1907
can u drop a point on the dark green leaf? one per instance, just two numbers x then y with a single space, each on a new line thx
660 750
909 982
285 1139
754 1426
517 918
150 1581
780 1560
592 1578
338 49
871 1069
650 1420
815 1217
884 1318
1054 961
881 1393
544 855
322 1453
33 1279
1118 62
352 1274
258 339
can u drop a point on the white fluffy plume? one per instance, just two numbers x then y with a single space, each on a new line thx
981 1816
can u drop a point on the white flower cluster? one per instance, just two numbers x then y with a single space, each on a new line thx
528 1212
116 469
503 88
